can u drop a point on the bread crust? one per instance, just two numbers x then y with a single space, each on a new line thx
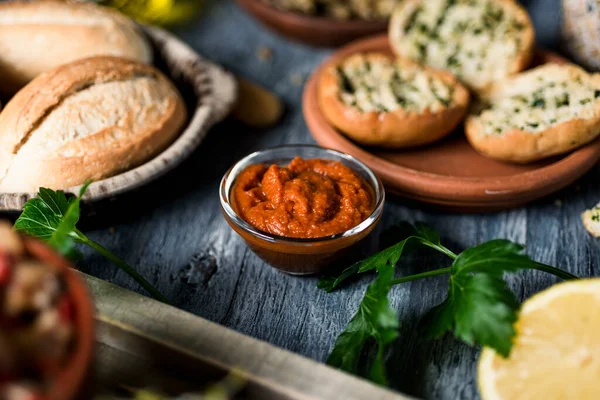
527 36
520 146
38 36
396 128
99 153
523 147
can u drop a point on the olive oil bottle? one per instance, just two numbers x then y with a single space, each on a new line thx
157 12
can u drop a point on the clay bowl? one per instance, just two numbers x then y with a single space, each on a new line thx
73 381
209 93
450 173
315 31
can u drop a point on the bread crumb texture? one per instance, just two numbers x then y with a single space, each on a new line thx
477 40
375 83
591 220
539 99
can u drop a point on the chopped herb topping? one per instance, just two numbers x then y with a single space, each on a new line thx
382 85
421 27
538 103
562 101
550 95
412 20
453 62
517 25
346 83
426 37
422 49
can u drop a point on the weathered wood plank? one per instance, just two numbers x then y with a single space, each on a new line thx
147 342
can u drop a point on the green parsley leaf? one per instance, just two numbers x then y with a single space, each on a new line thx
38 219
375 319
57 201
480 308
53 219
422 234
62 239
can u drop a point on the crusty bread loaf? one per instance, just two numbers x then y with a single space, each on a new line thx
548 110
89 119
480 41
39 36
377 100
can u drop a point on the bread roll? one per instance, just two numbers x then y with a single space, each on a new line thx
381 101
39 36
89 119
549 110
479 41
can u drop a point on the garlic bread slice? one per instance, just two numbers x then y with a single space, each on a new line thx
548 110
480 41
378 100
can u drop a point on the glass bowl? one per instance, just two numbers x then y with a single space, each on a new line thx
292 255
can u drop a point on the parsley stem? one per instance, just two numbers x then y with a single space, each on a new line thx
441 249
555 271
124 266
422 275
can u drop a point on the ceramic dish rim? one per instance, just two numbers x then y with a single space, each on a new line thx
324 22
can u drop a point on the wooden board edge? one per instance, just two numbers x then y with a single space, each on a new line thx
284 372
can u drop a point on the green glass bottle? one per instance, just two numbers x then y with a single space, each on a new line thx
157 12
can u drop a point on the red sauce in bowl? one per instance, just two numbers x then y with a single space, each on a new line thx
309 198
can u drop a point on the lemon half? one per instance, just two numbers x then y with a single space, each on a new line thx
556 354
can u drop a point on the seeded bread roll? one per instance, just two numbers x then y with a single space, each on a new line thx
480 41
89 119
39 36
546 111
379 101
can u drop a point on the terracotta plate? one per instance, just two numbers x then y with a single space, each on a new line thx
316 31
450 173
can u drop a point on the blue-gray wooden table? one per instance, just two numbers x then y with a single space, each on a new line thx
173 231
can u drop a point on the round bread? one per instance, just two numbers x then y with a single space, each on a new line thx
39 36
549 110
89 119
480 41
381 101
